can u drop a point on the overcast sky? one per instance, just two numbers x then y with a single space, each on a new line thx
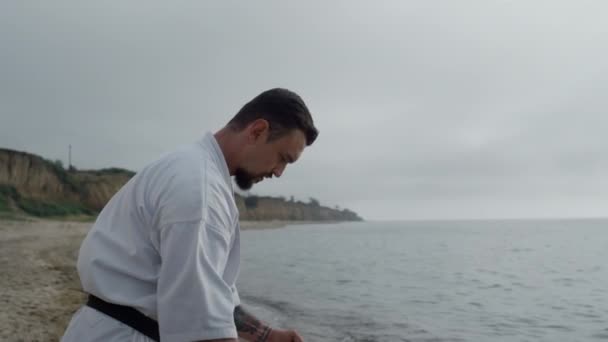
426 109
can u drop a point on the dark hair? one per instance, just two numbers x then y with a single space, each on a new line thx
283 109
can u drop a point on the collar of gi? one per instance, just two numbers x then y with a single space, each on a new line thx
218 157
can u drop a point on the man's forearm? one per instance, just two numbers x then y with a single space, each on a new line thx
249 327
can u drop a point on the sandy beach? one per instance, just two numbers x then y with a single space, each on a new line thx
39 286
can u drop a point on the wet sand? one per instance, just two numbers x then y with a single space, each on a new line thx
39 286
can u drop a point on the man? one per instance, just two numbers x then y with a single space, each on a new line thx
162 258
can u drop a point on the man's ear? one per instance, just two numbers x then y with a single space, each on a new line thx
259 129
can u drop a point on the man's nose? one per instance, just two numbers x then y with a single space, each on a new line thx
278 171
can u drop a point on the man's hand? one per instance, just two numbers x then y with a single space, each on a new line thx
284 336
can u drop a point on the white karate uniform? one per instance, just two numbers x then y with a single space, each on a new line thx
167 244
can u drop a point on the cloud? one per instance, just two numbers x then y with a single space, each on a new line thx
425 110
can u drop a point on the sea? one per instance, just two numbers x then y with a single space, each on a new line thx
503 280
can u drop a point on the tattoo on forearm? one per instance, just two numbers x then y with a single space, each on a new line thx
264 335
246 323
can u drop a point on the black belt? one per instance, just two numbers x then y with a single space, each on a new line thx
126 315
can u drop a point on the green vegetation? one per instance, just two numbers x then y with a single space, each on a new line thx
113 171
63 175
7 193
51 209
37 207
4 204
314 202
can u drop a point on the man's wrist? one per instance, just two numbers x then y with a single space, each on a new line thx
266 334
249 327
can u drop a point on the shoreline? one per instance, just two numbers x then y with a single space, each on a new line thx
42 290
276 224
244 224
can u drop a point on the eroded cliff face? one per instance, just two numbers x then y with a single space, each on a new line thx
98 187
44 188
33 185
30 174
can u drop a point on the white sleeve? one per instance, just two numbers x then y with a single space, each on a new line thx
194 301
235 296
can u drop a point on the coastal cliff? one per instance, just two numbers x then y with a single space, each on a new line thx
32 185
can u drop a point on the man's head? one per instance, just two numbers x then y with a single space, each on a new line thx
273 130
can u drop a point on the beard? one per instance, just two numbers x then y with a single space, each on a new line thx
244 179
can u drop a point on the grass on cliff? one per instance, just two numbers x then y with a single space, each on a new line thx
63 175
4 204
38 208
51 209
6 194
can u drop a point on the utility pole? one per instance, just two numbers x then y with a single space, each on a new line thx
70 158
